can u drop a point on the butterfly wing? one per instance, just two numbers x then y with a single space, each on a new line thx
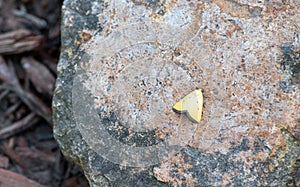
192 105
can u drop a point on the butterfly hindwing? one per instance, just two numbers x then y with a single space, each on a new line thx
191 105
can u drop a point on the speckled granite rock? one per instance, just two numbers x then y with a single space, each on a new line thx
124 64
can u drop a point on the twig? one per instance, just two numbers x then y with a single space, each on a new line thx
33 153
14 35
40 23
33 102
19 41
3 94
18 126
12 155
4 162
12 108
8 75
10 179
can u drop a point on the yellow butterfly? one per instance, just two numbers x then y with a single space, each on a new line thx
191 105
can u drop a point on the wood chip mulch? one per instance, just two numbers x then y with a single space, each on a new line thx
29 52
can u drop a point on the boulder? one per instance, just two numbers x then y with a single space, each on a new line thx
124 64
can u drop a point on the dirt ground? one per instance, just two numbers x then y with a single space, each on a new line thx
29 53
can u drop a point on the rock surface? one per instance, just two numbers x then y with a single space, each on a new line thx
124 64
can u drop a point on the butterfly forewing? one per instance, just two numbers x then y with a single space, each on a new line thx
192 105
